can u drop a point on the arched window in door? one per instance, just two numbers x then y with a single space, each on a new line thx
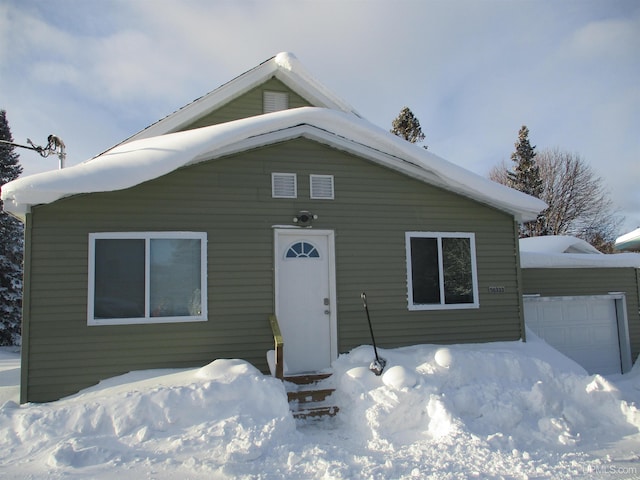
302 250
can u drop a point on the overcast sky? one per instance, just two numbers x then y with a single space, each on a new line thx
473 72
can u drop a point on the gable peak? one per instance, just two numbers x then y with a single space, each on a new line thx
286 60
284 66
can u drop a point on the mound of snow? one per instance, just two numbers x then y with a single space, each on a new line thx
512 396
503 410
224 412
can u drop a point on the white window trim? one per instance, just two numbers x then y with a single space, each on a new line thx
293 176
321 177
474 272
147 236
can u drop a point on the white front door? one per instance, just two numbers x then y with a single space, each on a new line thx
305 298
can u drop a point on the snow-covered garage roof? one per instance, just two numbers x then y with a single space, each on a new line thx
557 244
132 163
565 251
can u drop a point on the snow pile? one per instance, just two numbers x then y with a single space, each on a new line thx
502 410
229 407
511 399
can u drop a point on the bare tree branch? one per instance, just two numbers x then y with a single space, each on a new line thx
579 203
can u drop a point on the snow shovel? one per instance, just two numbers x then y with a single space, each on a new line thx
377 366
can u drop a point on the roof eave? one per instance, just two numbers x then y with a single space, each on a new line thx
336 129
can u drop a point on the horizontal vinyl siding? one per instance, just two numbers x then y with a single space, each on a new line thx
230 199
590 281
248 105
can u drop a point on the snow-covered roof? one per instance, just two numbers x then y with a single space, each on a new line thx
163 147
284 66
629 241
557 244
563 251
132 163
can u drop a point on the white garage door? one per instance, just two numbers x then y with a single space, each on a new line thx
585 329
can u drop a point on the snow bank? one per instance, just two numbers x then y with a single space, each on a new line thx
224 412
503 410
512 398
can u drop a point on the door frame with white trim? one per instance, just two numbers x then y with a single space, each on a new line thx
316 337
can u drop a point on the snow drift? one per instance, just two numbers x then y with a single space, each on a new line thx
512 399
514 410
229 407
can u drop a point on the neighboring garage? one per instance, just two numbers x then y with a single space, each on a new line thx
582 302
591 330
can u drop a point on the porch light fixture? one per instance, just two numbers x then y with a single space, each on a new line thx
304 218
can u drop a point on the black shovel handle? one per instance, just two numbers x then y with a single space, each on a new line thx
366 309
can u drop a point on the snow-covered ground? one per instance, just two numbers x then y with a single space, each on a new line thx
502 410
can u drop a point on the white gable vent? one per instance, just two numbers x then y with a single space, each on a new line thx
274 101
321 187
284 185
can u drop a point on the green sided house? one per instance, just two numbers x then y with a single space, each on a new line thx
268 196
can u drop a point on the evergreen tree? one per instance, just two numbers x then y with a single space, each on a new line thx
526 174
526 178
11 246
407 126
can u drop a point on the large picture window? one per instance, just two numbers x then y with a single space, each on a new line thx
147 277
441 270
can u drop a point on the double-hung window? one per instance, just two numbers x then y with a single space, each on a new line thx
147 277
441 270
